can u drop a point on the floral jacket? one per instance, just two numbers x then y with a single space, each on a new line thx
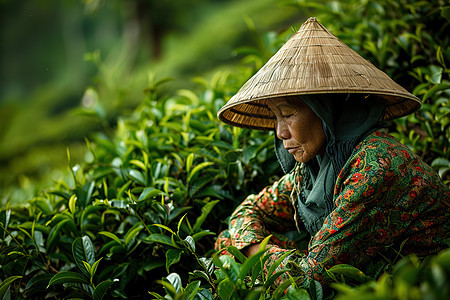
388 203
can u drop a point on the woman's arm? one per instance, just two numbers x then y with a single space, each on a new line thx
260 215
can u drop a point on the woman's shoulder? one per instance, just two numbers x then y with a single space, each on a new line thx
380 145
381 140
382 155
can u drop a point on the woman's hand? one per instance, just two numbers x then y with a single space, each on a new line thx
250 250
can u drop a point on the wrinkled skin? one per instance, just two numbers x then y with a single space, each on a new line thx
299 128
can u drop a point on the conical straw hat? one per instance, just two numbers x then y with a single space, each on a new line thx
313 61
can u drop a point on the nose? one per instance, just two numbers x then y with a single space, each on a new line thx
282 130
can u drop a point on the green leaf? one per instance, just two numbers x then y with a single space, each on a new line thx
197 169
440 162
436 75
206 209
54 234
68 277
111 236
101 289
205 294
250 263
189 161
43 205
83 250
88 268
179 224
435 89
172 257
297 294
72 202
190 242
264 243
228 266
95 266
201 234
138 163
84 195
159 238
166 228
202 274
150 193
133 232
315 289
175 281
4 220
36 226
137 176
4 285
236 253
274 277
38 282
279 291
350 271
278 262
225 289
192 289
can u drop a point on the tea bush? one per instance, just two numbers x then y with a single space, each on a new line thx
139 217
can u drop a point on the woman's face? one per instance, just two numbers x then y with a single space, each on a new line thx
299 128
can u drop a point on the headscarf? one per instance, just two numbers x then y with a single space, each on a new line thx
346 120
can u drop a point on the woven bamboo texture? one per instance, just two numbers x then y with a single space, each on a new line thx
313 61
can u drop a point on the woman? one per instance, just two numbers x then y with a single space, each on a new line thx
364 198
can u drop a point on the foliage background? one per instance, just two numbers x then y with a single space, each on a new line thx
131 89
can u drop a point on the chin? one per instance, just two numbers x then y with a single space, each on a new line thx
302 158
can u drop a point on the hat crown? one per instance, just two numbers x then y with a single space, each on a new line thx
313 61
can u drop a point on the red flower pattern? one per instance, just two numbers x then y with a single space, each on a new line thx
380 181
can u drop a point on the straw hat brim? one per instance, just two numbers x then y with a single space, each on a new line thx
313 61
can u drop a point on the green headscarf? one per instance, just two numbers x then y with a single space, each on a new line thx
346 120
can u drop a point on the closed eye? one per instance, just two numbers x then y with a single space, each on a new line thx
287 116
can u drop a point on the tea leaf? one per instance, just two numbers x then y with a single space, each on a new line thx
83 250
250 263
67 277
236 253
190 242
111 236
175 281
350 271
206 209
72 202
165 227
189 161
201 234
132 233
4 221
179 224
101 289
198 168
150 193
226 289
138 163
192 289
95 266
159 238
4 285
172 257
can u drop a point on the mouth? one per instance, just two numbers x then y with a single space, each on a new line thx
292 150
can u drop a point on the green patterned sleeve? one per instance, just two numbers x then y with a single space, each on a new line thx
268 212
